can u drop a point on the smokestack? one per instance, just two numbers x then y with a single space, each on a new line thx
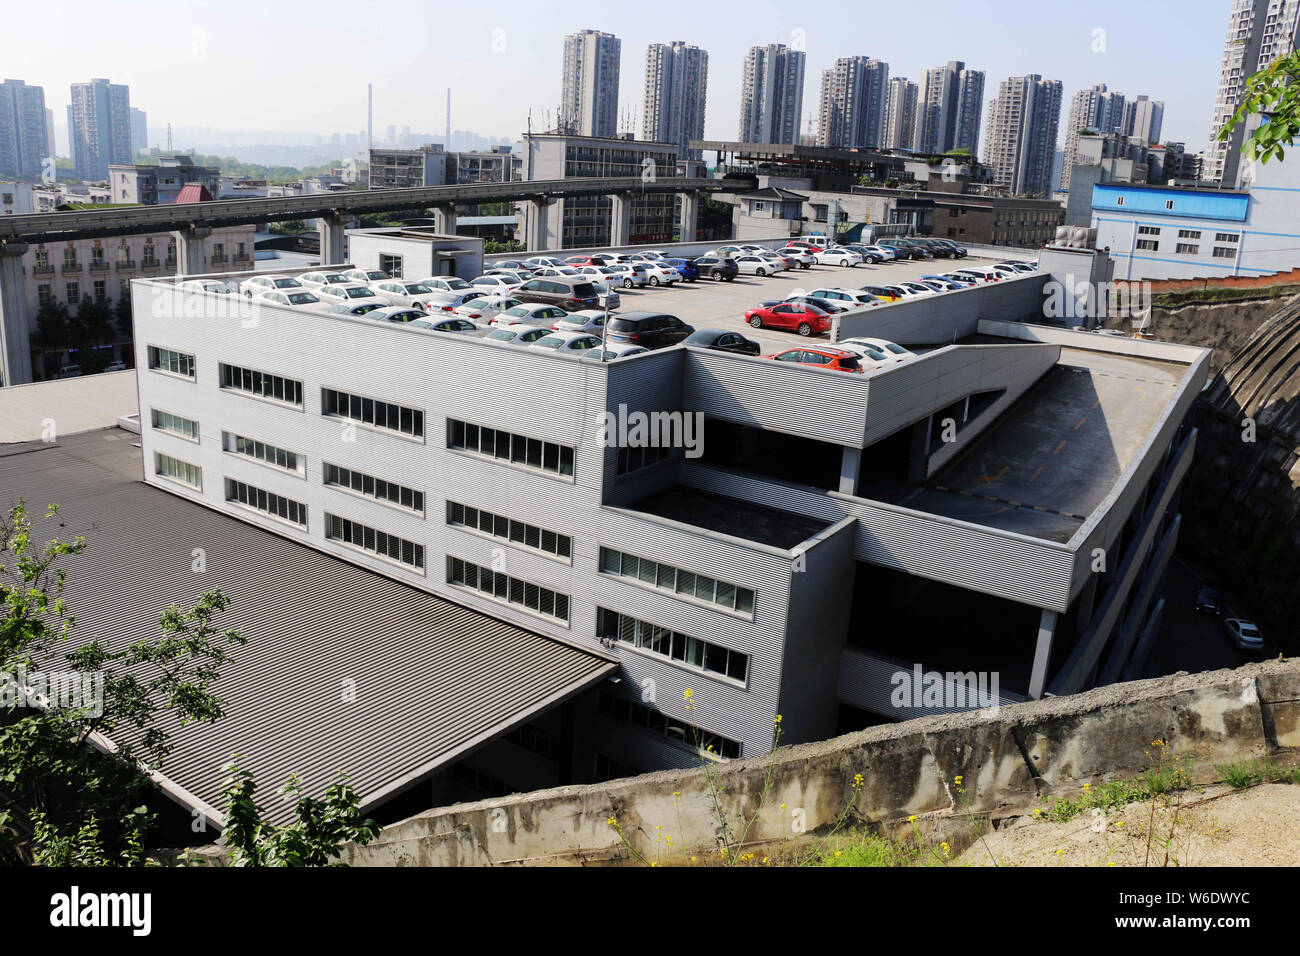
370 116
447 145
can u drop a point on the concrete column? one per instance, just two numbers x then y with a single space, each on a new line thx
15 323
537 229
333 236
620 219
850 464
1042 654
444 220
190 260
690 216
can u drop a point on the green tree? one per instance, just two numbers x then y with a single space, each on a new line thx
64 801
1273 91
52 321
122 315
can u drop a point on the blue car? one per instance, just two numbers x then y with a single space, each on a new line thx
686 268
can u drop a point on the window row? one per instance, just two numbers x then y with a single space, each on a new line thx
668 578
262 384
177 470
373 412
175 424
508 447
373 541
508 529
634 459
510 590
691 651
267 502
167 360
385 492
637 715
261 451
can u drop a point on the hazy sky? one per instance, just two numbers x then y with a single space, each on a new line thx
303 68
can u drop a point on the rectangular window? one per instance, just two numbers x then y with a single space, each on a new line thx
635 458
391 264
264 453
518 533
376 489
1189 234
677 581
372 412
638 715
168 467
508 590
1148 230
43 295
1187 248
268 503
373 541
660 641
73 290
503 446
175 425
1225 252
1149 245
262 384
174 363
1226 237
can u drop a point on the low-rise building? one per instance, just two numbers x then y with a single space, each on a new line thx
161 184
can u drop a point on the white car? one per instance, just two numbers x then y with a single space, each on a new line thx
980 276
538 262
854 298
885 253
601 274
614 351
1244 634
514 275
778 261
486 305
627 275
401 292
653 254
349 291
210 285
299 298
872 357
314 280
567 342
802 256
752 265
657 274
896 353
566 272
445 283
398 314
591 321
920 288
452 323
517 334
258 284
530 313
500 284
359 309
837 257
367 275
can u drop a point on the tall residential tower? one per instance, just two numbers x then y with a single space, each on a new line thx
771 95
1023 121
676 75
852 111
589 91
23 130
99 125
948 109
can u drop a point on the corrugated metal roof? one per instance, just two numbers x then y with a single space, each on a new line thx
433 679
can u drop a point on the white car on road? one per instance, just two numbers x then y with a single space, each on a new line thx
518 334
752 265
486 305
896 353
400 292
299 298
657 274
838 257
445 283
258 284
314 280
854 298
530 313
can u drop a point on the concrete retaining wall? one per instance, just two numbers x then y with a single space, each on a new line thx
1009 760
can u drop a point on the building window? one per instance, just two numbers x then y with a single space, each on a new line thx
638 715
175 425
262 452
1119 201
123 255
101 290
1189 234
662 642
97 256
509 448
70 258
166 466
1169 204
507 529
1148 245
218 250
1226 237
377 489
150 256
267 502
1187 248
686 584
1225 252
508 590
820 211
375 542
261 384
634 459
73 289
174 363
171 254
43 294
239 250
1148 230
372 412
42 258
391 264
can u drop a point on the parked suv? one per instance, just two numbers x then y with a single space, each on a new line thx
717 268
654 330
570 294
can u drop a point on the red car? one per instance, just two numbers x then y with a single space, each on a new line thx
837 359
790 316
801 244
579 261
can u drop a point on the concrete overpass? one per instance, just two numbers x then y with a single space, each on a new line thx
333 210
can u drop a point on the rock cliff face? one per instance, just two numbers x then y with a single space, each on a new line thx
1241 501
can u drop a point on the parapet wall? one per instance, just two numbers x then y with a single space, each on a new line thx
1008 759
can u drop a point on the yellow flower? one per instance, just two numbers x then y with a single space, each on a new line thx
1119 823
957 780
1038 811
692 859
946 848
838 854
1111 863
912 818
1060 852
857 780
688 693
1087 787
778 718
654 863
612 821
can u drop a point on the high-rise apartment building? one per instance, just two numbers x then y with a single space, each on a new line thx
771 94
139 132
589 90
900 114
1143 118
948 108
1259 32
1023 121
676 76
852 111
99 124
1097 109
23 133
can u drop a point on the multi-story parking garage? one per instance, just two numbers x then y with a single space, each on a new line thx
999 509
